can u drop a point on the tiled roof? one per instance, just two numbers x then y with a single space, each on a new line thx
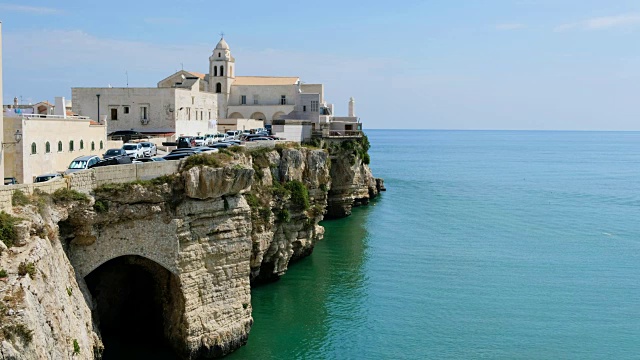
265 80
200 75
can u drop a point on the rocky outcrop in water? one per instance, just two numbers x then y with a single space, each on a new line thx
200 238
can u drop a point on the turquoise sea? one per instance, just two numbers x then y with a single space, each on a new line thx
487 244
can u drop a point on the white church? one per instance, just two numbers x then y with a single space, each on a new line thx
191 103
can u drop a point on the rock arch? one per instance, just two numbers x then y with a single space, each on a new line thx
138 304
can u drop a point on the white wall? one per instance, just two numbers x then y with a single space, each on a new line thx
24 165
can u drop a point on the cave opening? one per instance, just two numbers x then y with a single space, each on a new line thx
138 308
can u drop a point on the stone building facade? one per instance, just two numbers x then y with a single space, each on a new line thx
189 103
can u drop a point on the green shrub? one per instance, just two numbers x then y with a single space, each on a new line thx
252 200
68 195
324 187
279 190
284 216
76 347
101 206
3 273
8 234
69 290
18 198
27 268
299 194
366 159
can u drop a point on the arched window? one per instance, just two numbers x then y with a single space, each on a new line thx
93 145
47 147
215 71
221 70
33 148
59 146
101 145
70 145
219 54
218 88
81 144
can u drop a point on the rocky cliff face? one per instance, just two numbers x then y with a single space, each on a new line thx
187 246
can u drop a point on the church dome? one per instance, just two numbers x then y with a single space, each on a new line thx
222 45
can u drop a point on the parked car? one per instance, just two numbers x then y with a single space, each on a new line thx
199 140
151 159
82 163
179 155
133 150
10 181
114 153
117 160
185 142
126 135
211 139
220 145
46 177
261 138
149 148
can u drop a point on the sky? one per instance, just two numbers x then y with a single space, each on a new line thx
441 64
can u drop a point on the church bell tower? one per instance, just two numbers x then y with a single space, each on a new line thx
221 69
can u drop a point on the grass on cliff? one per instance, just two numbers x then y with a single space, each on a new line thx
68 195
117 187
215 160
8 234
19 198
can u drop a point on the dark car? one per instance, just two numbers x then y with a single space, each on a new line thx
114 153
118 160
186 142
46 177
10 181
126 135
179 155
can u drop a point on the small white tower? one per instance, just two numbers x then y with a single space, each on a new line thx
352 107
221 69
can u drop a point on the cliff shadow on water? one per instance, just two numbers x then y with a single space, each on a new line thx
319 305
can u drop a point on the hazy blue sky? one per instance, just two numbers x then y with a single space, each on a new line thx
484 64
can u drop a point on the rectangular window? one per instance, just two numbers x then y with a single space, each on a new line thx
126 109
196 114
256 100
283 100
193 100
188 113
114 114
314 105
144 113
243 99
304 108
209 114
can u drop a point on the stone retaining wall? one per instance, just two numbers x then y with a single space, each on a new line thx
86 181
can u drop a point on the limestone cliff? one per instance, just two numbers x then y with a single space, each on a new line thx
176 254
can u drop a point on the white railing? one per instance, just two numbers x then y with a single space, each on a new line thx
44 116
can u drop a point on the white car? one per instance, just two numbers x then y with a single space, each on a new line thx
134 151
150 149
199 140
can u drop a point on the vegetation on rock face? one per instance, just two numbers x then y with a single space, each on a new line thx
8 234
3 273
18 198
217 160
27 268
68 195
101 206
117 187
299 194
76 347
10 332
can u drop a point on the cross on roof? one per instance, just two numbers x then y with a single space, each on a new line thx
222 34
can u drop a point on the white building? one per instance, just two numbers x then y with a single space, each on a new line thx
190 103
49 142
